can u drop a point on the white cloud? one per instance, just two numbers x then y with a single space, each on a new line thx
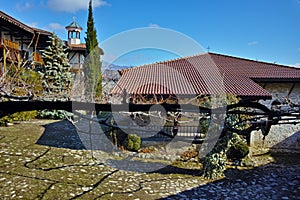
23 6
297 65
153 25
73 5
298 49
253 43
55 27
33 24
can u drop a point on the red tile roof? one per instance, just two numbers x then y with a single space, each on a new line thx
205 74
255 69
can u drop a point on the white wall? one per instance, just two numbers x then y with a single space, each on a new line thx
75 60
281 137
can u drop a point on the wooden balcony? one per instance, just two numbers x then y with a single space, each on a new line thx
37 57
76 67
10 44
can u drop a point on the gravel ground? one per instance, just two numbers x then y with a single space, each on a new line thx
46 160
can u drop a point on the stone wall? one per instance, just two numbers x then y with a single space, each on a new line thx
281 137
280 91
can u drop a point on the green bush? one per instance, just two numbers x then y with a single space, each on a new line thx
238 151
214 165
133 142
231 146
54 114
203 126
5 120
19 116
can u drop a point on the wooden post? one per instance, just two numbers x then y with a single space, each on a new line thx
4 61
79 62
124 95
1 67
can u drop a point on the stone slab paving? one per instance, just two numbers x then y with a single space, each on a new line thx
270 182
37 165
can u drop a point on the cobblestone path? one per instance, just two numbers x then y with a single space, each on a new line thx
33 165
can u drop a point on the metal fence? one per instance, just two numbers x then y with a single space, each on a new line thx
165 131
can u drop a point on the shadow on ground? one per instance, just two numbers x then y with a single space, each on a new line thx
292 142
279 179
170 169
61 134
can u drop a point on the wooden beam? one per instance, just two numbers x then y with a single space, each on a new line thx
10 107
291 90
72 56
4 60
79 61
273 117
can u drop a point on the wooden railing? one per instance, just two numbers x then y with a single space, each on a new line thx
76 67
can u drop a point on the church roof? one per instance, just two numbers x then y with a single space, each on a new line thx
205 74
74 25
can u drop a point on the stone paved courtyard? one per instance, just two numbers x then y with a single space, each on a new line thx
36 165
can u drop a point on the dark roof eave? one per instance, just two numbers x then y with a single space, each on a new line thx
43 32
276 80
76 49
250 97
255 97
21 25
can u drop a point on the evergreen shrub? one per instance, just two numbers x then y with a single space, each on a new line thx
132 142
54 114
19 116
238 151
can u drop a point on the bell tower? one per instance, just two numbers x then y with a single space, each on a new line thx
74 32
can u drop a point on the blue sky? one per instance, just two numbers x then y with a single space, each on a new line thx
265 30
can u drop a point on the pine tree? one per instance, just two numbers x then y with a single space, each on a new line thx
57 77
92 66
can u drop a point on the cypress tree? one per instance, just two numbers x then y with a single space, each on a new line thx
92 66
